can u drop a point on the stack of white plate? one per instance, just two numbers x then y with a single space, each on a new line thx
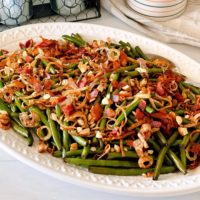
159 10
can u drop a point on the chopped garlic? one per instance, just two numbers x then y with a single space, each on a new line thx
24 54
64 82
93 149
105 100
183 131
179 120
143 95
79 129
126 87
98 134
143 82
46 96
117 148
141 70
83 67
80 122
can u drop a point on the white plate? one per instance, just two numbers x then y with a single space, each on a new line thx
168 185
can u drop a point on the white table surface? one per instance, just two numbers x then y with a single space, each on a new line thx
20 182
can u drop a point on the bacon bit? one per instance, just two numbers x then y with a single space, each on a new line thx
139 114
82 83
121 84
42 147
110 112
27 70
18 84
159 89
156 124
125 94
142 105
29 43
28 58
46 43
168 120
93 94
115 83
115 98
36 84
48 84
123 58
67 109
116 64
96 111
58 100
21 46
179 97
195 149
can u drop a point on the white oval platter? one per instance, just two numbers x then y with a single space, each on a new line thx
167 185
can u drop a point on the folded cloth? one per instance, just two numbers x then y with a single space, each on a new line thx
184 29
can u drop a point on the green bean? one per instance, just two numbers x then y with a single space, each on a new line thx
74 153
3 106
13 107
193 88
57 154
80 140
58 111
176 143
185 140
141 53
149 109
85 152
157 148
162 154
177 161
40 114
1 84
179 112
30 139
185 121
123 69
18 93
128 154
18 104
106 163
172 155
51 68
54 131
21 130
149 71
183 156
75 40
129 109
71 65
66 138
128 172
161 138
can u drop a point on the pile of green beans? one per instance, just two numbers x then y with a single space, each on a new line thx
108 153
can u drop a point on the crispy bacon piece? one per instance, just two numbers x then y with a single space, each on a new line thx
123 58
68 109
96 111
139 114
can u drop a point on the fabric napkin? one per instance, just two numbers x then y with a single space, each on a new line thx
184 29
